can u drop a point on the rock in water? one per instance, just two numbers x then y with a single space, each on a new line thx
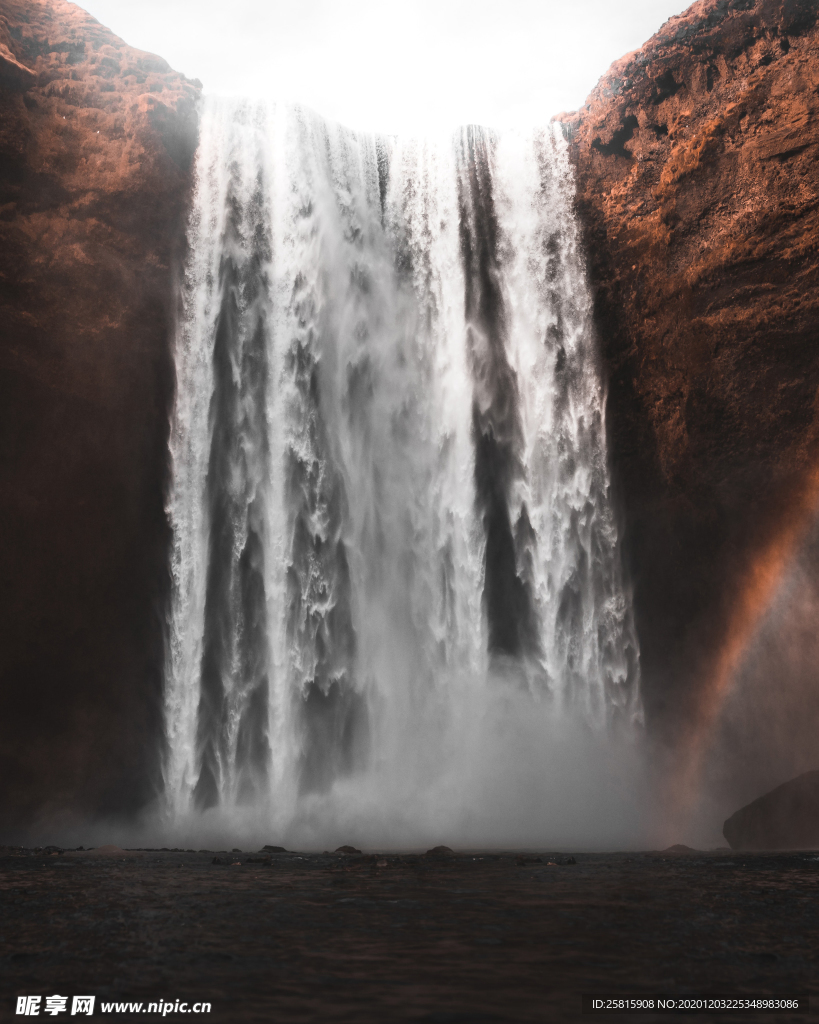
787 818
273 849
347 849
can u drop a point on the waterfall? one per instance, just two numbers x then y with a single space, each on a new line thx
390 503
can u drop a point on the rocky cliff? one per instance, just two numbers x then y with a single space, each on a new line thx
96 144
698 188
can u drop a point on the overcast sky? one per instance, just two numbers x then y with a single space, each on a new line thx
395 65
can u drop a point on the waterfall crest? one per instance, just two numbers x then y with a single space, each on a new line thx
390 500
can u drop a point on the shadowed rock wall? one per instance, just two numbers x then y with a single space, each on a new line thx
698 188
96 144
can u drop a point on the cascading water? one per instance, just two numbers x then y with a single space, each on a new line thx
395 562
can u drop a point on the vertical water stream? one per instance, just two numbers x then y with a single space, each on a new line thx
390 494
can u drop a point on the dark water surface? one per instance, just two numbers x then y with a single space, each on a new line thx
403 937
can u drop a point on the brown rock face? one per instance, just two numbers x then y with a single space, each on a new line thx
698 187
96 141
787 818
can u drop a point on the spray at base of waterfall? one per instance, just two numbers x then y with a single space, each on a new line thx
500 772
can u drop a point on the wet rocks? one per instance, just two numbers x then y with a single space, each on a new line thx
787 818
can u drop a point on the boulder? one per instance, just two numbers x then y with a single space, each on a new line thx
787 818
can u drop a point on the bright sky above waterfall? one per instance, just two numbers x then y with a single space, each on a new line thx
395 65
